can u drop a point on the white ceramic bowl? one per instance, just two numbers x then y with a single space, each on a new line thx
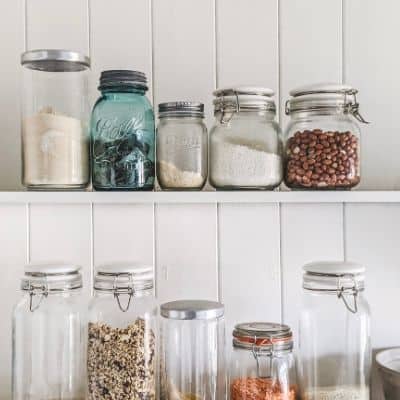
388 362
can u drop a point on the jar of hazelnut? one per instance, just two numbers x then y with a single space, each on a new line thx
322 139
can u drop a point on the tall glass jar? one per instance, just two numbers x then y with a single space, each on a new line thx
48 345
181 146
323 138
245 141
334 350
122 130
55 111
192 352
122 339
262 365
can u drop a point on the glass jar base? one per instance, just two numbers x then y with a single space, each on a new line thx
123 189
61 188
246 188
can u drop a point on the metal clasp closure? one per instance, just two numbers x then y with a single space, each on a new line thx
259 356
224 112
353 291
352 107
127 290
41 291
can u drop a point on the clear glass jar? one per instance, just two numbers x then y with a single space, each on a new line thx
262 365
192 350
55 111
245 141
322 139
122 334
48 361
182 144
122 130
334 344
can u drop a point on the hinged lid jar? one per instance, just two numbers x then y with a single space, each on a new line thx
323 137
334 344
122 337
262 365
245 141
48 341
55 113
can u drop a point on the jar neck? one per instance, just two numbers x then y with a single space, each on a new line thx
182 119
334 112
122 91
246 115
328 284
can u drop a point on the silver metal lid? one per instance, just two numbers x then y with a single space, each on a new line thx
122 77
192 309
181 109
54 60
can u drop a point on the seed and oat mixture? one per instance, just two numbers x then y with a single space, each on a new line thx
121 362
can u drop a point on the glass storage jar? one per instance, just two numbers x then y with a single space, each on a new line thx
55 111
334 344
192 355
262 365
122 339
48 344
245 141
122 130
323 138
181 146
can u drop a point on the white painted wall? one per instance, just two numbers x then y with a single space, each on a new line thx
247 255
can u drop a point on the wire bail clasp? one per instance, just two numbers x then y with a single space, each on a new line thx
258 355
352 107
41 291
124 290
353 291
227 115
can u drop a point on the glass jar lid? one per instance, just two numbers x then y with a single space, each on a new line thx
123 77
192 309
263 335
54 60
181 109
324 96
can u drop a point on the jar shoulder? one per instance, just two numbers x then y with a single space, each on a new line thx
137 103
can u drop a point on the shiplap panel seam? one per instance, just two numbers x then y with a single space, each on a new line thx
155 266
280 252
218 251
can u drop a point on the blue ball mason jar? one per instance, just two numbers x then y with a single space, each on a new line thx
122 133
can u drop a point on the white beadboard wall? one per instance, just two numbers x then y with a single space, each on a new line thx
247 255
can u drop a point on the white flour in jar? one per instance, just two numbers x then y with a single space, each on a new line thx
55 150
172 177
244 164
338 393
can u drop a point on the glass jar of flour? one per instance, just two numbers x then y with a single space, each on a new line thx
181 146
55 110
245 141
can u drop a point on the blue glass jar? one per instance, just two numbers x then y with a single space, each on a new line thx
122 130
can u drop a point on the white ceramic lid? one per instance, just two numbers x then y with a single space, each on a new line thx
49 269
334 268
324 87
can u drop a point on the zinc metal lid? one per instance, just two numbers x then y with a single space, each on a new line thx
123 77
181 108
334 268
55 60
192 309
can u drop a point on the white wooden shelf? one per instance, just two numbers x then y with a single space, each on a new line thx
201 197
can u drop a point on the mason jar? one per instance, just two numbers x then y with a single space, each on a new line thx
245 141
262 362
122 130
55 113
182 144
322 139
192 350
122 334
334 344
48 343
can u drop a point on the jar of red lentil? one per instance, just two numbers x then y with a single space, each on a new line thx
262 364
322 139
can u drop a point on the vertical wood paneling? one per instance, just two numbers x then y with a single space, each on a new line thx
372 65
121 37
249 263
12 45
311 46
310 232
186 252
61 233
12 261
57 25
247 43
184 51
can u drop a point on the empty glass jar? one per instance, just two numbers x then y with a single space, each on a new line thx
262 365
323 138
192 354
48 361
245 141
122 129
55 111
334 346
181 146
122 339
